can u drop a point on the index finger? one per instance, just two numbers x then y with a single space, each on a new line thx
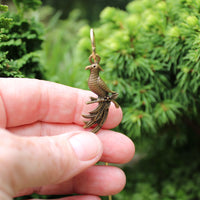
25 101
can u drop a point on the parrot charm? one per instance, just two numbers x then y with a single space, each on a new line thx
104 95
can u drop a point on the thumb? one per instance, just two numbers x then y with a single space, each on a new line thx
36 161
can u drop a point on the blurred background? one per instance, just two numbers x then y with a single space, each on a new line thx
90 10
150 53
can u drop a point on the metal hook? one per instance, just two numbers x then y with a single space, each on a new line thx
95 56
92 40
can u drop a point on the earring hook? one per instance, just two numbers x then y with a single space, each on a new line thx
93 56
92 40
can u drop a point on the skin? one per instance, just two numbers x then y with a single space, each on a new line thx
44 148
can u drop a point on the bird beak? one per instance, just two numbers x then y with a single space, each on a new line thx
88 67
101 68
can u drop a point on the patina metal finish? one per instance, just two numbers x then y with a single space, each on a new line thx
98 86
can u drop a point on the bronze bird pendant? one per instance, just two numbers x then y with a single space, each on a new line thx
105 96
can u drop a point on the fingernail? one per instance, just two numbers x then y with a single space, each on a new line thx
87 146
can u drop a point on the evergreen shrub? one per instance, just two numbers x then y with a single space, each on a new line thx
151 56
20 42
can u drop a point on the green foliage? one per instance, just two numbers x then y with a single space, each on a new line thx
32 196
4 21
59 48
90 9
150 54
25 5
3 8
170 176
4 62
20 46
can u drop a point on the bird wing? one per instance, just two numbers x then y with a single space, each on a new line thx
103 86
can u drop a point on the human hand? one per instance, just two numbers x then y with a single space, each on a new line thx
45 150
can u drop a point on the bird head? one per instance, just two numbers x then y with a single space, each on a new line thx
94 67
